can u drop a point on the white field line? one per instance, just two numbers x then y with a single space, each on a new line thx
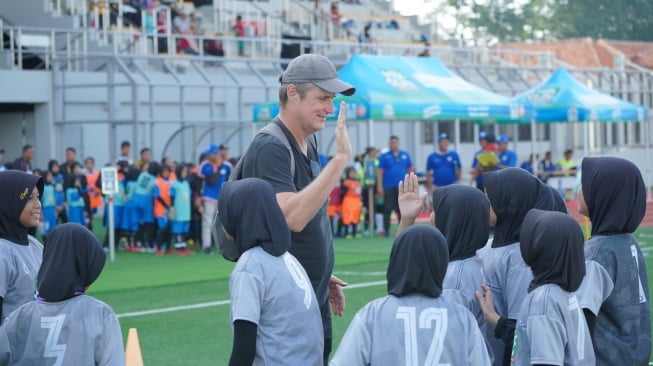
349 273
222 302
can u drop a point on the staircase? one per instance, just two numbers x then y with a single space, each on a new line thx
41 20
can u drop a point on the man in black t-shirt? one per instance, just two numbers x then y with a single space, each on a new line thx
306 94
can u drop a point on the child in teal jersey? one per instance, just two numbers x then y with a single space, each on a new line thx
129 221
75 203
144 204
48 202
181 204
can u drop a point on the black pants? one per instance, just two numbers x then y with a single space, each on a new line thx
390 203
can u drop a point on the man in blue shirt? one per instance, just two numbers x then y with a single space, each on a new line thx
507 158
443 165
214 171
393 166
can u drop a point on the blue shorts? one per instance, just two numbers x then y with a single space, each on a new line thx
118 212
162 222
144 208
49 219
129 220
180 227
76 215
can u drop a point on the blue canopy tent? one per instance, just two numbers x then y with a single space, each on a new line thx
562 98
413 88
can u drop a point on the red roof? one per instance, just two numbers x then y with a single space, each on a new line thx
587 52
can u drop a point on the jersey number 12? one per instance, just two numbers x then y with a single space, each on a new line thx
429 318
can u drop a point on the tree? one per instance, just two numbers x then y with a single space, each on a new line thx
520 20
608 19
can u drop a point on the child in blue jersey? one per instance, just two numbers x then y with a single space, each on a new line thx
275 315
59 194
181 205
129 221
75 202
48 202
144 204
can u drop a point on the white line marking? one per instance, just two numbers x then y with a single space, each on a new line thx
349 273
222 302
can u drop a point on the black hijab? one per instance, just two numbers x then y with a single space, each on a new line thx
512 192
551 244
558 201
615 194
462 214
15 190
72 260
418 262
250 213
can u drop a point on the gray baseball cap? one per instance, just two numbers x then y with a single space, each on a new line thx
316 69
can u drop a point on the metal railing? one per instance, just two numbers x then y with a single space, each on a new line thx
46 44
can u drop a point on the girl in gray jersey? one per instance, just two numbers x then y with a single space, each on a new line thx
63 326
414 324
20 253
275 315
512 192
551 329
615 292
461 213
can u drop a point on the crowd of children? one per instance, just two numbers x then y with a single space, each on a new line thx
157 207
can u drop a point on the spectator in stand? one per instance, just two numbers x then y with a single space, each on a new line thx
24 163
335 18
239 31
366 38
442 166
182 25
394 164
426 52
125 152
146 157
507 158
2 155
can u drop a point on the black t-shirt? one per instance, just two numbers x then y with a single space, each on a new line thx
267 158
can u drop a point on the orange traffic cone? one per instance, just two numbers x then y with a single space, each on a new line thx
133 350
